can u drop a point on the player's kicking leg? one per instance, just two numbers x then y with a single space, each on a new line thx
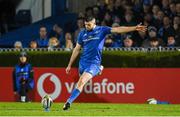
85 77
101 69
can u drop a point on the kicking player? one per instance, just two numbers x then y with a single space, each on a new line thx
91 40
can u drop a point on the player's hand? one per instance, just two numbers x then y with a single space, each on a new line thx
68 68
141 28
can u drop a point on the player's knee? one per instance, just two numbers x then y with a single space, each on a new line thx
80 84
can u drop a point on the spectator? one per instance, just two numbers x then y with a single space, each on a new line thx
128 42
176 22
137 5
149 19
152 31
152 34
165 7
176 26
117 37
146 8
53 43
108 19
33 44
80 24
89 11
124 3
103 23
23 78
110 7
128 8
69 44
155 10
159 20
124 12
57 32
97 15
43 40
118 10
166 30
149 2
102 7
154 43
139 38
18 45
150 12
110 42
81 15
117 20
178 9
172 10
171 42
129 19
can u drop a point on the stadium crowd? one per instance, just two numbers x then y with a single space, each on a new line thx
161 16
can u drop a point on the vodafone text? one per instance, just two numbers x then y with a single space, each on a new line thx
101 87
104 87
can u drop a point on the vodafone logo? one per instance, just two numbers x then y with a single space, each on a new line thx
54 79
103 86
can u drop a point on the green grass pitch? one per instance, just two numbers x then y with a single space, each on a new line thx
88 109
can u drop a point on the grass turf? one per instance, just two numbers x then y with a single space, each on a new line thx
89 109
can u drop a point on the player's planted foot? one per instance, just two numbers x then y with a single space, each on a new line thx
66 106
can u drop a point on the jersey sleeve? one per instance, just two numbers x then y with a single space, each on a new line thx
79 38
106 29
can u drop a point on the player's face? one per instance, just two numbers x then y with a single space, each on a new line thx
89 25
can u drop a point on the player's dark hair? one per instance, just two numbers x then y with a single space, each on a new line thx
89 18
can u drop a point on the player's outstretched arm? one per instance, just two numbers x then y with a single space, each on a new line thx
74 55
125 29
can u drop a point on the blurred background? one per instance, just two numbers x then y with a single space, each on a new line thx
23 24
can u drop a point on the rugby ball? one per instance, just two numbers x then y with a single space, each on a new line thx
46 102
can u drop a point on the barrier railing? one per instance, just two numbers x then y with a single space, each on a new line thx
138 49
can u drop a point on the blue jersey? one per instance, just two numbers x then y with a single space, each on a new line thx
92 43
23 71
42 43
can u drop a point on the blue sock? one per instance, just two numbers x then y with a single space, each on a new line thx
75 93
